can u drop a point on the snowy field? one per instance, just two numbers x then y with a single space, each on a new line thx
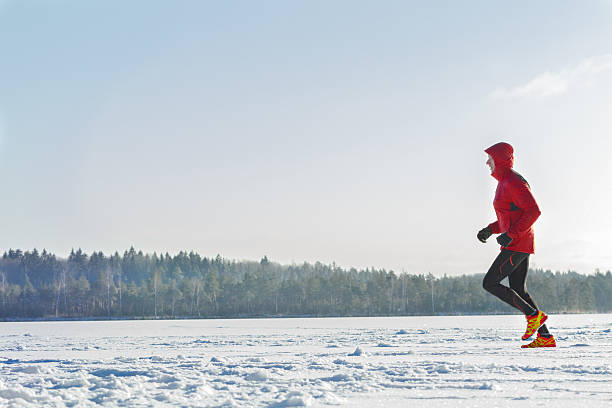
471 361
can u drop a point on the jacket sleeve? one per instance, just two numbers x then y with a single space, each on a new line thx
495 227
522 197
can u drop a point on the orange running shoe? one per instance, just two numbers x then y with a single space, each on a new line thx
541 342
534 323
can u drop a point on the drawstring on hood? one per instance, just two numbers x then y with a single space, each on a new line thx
502 154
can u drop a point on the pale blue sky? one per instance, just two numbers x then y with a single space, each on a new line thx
333 131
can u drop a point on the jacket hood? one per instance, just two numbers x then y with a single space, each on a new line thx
503 156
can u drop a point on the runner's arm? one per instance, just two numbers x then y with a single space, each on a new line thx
495 227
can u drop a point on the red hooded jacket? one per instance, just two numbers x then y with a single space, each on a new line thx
514 204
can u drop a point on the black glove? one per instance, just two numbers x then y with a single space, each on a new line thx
504 240
484 234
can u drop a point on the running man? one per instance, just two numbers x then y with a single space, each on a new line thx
516 211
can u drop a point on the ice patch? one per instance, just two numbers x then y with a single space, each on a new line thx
402 331
579 345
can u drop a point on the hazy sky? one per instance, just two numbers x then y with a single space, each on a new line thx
334 131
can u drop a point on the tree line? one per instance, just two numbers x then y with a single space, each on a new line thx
37 284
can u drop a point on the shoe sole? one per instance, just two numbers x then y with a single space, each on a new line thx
541 324
542 346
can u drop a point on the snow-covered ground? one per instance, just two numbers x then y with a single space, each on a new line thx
473 361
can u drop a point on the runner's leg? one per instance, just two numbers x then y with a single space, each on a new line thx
518 280
503 266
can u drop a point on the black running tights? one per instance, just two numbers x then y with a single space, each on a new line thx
513 265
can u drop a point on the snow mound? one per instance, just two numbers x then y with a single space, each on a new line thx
269 389
205 389
219 360
357 352
488 386
338 378
118 373
440 369
329 398
229 403
79 382
31 369
295 399
259 375
18 392
399 353
167 379
256 360
316 366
